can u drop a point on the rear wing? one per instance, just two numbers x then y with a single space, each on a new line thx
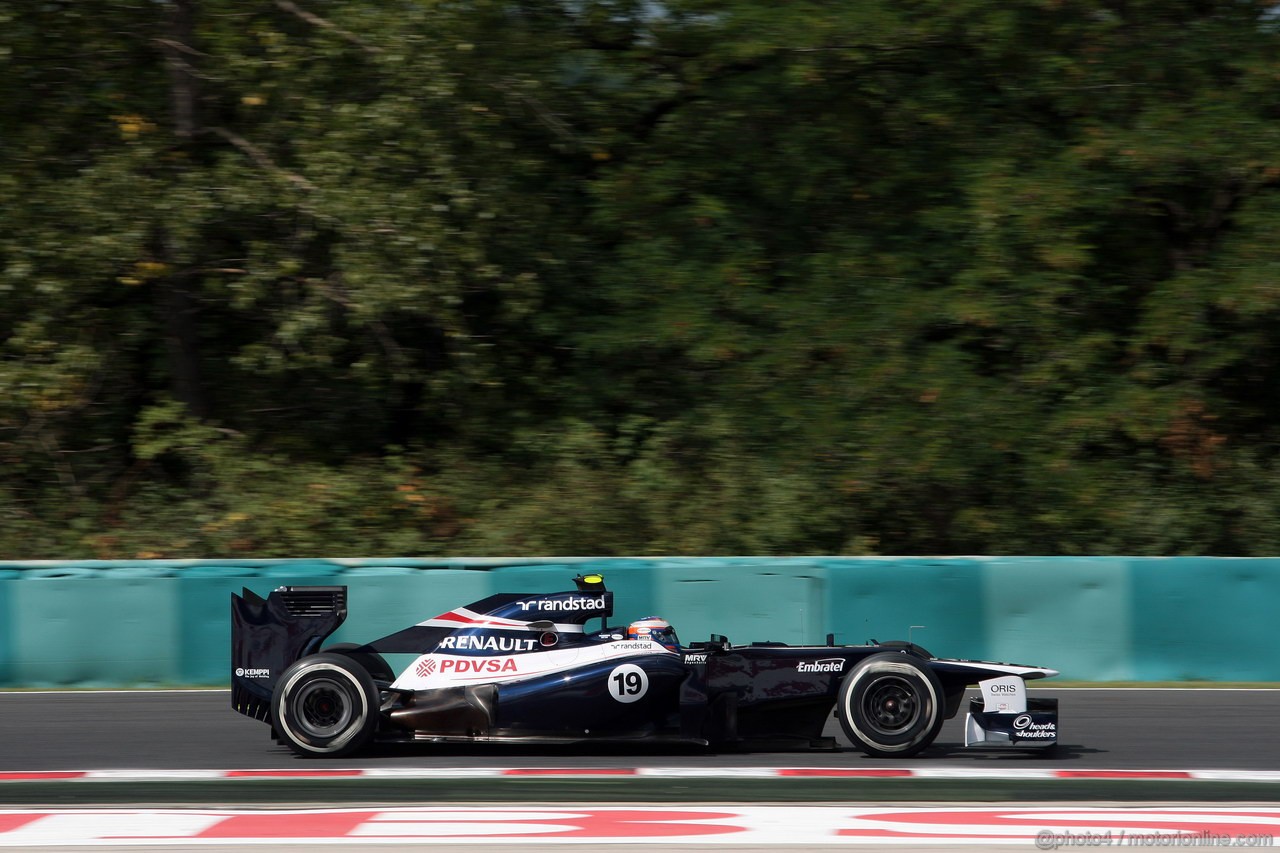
267 635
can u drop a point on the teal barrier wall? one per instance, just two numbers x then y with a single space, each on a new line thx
1071 614
6 627
1095 619
204 596
883 599
1205 618
92 629
746 600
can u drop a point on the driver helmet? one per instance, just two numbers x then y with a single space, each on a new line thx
654 628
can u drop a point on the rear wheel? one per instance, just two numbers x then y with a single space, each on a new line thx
891 705
374 664
325 705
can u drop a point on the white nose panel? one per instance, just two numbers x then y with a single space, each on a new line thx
1007 695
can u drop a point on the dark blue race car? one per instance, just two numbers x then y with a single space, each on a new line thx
525 668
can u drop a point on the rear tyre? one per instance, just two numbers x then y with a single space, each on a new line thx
325 705
891 705
374 664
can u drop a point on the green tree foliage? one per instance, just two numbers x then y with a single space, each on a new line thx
282 277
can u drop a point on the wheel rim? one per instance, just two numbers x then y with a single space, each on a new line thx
891 705
322 708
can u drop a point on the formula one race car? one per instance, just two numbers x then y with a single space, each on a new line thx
524 668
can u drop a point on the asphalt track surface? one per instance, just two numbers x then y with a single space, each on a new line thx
197 730
1139 729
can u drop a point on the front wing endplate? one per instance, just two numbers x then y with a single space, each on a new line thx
1035 728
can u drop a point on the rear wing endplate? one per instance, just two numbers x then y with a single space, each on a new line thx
268 634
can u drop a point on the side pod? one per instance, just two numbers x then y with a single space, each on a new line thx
267 635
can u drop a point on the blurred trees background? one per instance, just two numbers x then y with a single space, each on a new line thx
538 277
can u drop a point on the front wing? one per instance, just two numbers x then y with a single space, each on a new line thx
1004 718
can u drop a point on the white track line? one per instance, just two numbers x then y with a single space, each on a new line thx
788 827
603 774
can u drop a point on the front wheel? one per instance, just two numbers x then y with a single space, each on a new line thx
891 705
325 705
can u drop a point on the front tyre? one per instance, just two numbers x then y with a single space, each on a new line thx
891 705
325 705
